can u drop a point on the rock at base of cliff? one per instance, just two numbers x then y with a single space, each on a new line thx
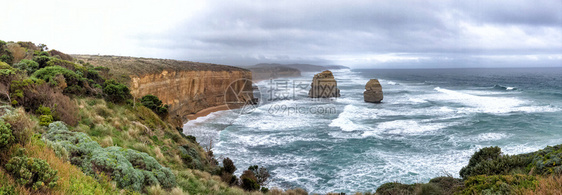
324 85
373 91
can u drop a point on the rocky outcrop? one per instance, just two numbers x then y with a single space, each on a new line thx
324 85
373 91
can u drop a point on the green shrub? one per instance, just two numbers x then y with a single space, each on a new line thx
6 136
261 174
228 165
196 161
396 188
4 65
249 181
62 63
22 125
41 60
8 190
32 172
48 74
490 161
45 120
42 53
7 57
546 161
27 65
152 102
448 185
116 92
498 184
42 110
130 169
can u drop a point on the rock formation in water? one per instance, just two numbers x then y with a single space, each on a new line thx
324 85
373 91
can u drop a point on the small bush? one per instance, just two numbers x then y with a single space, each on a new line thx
546 161
42 110
152 102
116 92
32 172
6 136
396 188
22 125
196 161
490 161
8 58
498 184
447 184
228 165
249 181
8 190
50 73
41 60
261 174
27 65
45 120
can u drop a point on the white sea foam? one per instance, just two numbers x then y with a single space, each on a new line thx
403 127
489 137
345 119
482 104
377 167
270 140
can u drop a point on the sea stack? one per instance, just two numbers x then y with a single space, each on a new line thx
324 85
373 91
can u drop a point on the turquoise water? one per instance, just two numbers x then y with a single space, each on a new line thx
429 124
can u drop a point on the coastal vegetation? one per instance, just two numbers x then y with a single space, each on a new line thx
489 171
69 127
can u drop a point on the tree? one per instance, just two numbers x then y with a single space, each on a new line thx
261 174
28 65
249 181
43 47
152 102
228 165
116 92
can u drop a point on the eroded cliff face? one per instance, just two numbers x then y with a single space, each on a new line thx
188 92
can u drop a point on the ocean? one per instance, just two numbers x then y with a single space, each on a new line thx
429 124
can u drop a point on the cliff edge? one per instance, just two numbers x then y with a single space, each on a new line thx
188 87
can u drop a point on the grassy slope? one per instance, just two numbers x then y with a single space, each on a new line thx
121 67
121 125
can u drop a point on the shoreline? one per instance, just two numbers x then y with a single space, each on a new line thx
223 107
206 111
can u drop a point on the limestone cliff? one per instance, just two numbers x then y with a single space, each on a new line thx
189 91
187 87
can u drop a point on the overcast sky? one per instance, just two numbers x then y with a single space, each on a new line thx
360 34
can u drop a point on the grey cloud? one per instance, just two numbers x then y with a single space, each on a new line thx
246 32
